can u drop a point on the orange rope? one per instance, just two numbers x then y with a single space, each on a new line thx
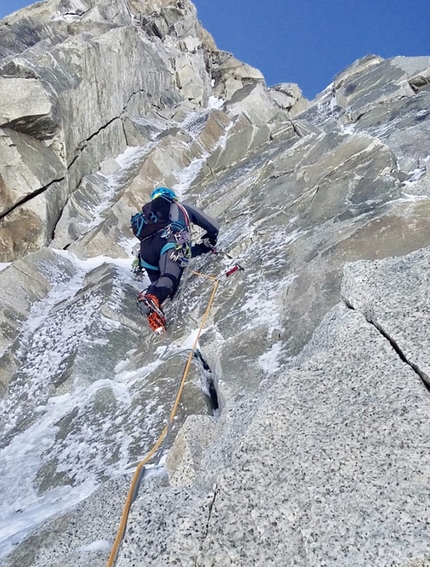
137 473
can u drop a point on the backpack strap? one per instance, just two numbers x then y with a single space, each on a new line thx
186 215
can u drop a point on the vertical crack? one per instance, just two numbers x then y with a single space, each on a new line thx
210 509
211 503
207 381
422 375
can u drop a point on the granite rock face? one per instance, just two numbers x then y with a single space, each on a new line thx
63 114
301 437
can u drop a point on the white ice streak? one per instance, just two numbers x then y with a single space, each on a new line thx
22 507
129 159
407 197
348 129
22 458
222 142
96 545
51 333
65 290
42 309
91 263
132 155
187 175
416 175
196 121
215 102
269 361
130 377
261 308
191 340
98 210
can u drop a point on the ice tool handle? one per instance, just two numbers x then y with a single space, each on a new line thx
235 268
207 243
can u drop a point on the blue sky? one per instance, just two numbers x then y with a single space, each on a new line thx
309 41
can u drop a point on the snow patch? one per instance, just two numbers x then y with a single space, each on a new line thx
187 175
49 337
97 545
131 155
416 175
407 197
215 102
269 361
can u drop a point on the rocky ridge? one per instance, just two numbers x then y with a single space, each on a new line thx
318 349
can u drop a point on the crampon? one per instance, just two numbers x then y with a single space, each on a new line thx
149 306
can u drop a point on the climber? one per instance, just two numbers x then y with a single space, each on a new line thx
164 229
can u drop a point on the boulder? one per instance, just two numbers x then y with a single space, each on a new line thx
192 78
288 96
255 102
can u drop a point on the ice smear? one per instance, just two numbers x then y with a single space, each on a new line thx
223 139
22 507
416 175
97 545
269 361
4 265
95 262
131 155
187 175
407 197
15 524
84 456
196 121
215 102
128 161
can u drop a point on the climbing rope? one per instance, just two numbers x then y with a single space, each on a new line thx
161 442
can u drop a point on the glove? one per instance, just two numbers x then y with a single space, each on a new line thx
212 240
199 249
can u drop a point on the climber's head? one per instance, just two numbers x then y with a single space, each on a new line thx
164 192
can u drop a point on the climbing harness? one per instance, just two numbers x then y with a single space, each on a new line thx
160 445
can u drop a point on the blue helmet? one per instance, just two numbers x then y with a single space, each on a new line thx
164 192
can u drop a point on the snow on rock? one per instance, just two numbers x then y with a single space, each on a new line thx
316 349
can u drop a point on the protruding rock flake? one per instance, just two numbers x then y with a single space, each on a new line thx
300 434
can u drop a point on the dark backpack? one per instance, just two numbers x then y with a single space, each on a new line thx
154 217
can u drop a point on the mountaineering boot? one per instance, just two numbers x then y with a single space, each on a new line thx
150 306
